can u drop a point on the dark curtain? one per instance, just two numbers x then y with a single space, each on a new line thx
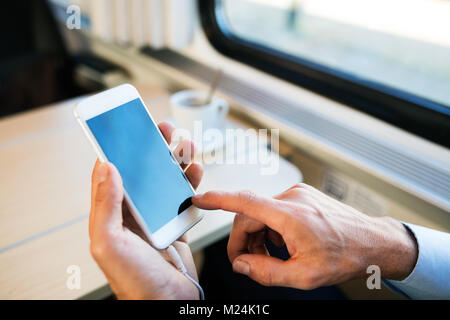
35 68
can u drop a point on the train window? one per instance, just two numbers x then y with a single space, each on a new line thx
389 58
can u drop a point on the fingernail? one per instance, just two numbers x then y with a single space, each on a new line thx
242 267
102 172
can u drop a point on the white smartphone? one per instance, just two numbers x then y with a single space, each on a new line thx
157 192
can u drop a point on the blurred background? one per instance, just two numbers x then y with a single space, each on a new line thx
403 44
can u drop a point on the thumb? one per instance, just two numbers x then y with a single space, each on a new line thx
107 208
266 270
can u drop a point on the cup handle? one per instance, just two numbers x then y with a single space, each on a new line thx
222 108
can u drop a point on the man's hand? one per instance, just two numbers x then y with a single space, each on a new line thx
134 269
328 242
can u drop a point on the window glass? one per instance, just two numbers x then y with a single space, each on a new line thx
404 44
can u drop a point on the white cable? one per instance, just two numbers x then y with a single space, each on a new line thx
176 259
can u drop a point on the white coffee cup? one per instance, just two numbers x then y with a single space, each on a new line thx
189 107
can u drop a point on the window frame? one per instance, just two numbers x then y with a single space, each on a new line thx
405 110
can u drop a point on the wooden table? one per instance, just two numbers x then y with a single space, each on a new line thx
45 168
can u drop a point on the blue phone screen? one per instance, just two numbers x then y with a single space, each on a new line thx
154 182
